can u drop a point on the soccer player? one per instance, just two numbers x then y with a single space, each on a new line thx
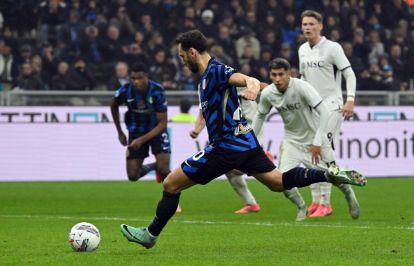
322 63
236 177
146 121
233 144
305 118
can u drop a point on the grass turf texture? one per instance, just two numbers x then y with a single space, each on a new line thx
35 220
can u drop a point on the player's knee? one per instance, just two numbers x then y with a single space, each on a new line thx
132 175
164 171
133 178
170 186
275 188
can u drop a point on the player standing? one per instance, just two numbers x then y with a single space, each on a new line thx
233 144
322 63
305 118
146 121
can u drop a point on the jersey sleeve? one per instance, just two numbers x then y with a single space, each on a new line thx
310 94
160 101
339 58
264 105
223 75
120 95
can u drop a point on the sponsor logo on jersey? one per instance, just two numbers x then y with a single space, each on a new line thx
312 64
242 129
289 107
204 106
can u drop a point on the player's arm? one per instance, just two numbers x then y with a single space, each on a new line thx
263 108
350 78
199 126
341 61
252 85
115 117
162 119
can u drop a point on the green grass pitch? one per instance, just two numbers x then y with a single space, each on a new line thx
35 219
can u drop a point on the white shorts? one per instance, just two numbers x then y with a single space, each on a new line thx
292 155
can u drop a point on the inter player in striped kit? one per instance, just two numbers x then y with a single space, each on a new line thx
305 118
235 177
146 121
233 144
322 63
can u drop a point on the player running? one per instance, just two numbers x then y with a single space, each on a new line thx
233 144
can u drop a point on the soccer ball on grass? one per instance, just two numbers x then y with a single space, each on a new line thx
84 237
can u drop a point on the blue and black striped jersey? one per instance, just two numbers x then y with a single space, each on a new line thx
220 105
142 108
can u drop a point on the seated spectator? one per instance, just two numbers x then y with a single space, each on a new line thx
218 52
247 39
388 82
61 80
207 25
163 71
79 77
120 78
28 80
6 64
187 81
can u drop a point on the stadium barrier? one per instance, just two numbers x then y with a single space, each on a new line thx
80 143
100 98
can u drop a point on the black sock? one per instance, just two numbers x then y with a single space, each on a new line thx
302 177
165 210
147 168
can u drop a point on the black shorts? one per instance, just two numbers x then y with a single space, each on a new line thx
213 162
159 144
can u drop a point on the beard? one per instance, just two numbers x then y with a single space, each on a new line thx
193 67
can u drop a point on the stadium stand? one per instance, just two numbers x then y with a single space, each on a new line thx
74 45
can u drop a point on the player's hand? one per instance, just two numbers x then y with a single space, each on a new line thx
316 153
348 110
122 138
250 94
136 144
194 134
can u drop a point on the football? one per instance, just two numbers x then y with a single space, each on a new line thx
84 237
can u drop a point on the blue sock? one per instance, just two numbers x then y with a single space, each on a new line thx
302 177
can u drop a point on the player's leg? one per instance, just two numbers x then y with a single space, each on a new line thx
289 157
266 172
240 186
175 182
198 169
161 148
135 159
328 157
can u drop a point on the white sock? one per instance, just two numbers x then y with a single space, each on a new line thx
326 193
316 193
294 196
240 186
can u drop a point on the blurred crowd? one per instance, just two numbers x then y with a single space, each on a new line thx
88 45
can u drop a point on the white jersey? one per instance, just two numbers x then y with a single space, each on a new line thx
248 107
321 66
295 107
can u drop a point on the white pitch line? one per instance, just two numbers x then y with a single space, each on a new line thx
285 224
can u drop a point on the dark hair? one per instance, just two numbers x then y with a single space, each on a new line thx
279 63
185 105
313 14
192 39
139 67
